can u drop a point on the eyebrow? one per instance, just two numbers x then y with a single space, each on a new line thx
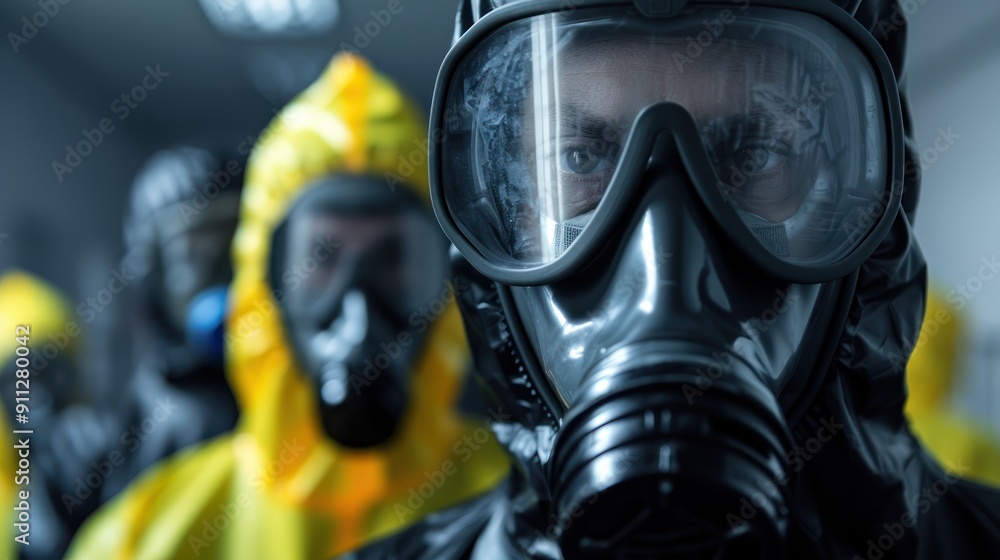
585 123
756 120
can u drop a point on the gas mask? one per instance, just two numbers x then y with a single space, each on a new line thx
195 254
661 208
352 266
178 232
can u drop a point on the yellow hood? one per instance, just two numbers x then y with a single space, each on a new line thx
30 301
26 299
351 120
934 364
277 487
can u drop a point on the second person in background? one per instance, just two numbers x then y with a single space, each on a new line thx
346 353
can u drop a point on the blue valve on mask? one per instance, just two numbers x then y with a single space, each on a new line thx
206 323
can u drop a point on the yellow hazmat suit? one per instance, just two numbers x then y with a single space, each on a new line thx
934 367
29 301
278 487
8 492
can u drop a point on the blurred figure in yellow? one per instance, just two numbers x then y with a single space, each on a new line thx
349 429
8 492
38 364
933 372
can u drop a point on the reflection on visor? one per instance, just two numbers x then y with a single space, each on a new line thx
786 106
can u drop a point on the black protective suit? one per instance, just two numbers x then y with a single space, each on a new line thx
182 216
185 207
851 481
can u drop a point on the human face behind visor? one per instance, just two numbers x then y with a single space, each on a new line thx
774 164
543 119
355 261
746 95
787 125
194 248
668 227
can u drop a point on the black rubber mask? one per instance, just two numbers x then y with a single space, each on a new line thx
673 239
354 262
665 370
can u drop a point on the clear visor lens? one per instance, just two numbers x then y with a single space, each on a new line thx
788 109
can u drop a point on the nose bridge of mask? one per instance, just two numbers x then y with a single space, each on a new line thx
665 140
672 272
679 230
698 267
662 157
644 282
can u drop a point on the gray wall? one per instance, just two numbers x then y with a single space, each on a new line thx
954 83
67 77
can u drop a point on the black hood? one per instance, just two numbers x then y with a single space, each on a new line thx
876 493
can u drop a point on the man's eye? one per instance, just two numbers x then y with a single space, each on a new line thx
758 160
588 157
749 159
